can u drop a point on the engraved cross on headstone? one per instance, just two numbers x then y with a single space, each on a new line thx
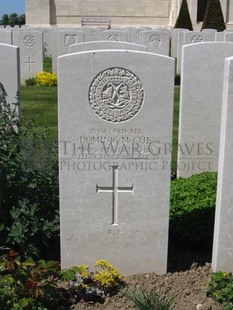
29 62
114 189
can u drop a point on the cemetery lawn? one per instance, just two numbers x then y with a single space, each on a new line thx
40 103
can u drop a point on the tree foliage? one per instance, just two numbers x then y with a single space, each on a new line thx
213 18
184 19
12 19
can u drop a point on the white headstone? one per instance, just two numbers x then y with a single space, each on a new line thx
157 41
54 49
100 45
135 35
114 35
174 40
47 40
228 36
200 106
6 36
219 36
223 232
9 75
192 37
31 54
66 38
210 30
114 182
92 34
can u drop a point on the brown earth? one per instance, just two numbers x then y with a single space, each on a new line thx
189 279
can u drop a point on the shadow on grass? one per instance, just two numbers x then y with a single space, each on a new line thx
190 239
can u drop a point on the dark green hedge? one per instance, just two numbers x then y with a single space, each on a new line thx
192 210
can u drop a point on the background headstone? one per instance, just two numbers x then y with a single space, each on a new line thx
31 54
99 45
191 37
66 38
228 36
174 40
200 106
92 34
9 75
219 36
54 49
6 36
156 41
223 232
114 35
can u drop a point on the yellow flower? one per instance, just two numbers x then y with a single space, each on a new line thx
84 271
108 276
46 79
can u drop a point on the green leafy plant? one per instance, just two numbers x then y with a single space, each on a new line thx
151 300
192 209
31 82
29 203
28 284
221 289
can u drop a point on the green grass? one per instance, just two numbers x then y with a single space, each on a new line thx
40 102
48 64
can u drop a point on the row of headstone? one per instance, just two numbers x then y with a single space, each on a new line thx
114 167
56 42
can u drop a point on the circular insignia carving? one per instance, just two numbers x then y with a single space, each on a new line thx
70 39
155 40
139 33
29 40
113 37
197 38
116 95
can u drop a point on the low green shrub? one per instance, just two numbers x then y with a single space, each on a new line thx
29 203
151 300
221 289
192 209
28 284
31 82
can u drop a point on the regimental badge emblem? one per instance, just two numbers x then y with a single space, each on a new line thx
116 95
113 37
197 38
155 40
29 40
70 39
